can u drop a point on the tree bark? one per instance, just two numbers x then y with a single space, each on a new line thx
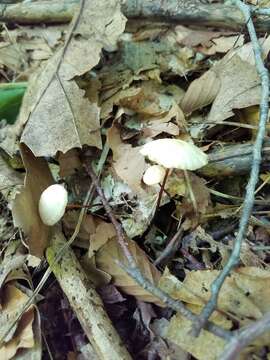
233 160
189 12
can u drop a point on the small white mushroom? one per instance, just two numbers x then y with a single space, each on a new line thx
154 175
175 154
52 204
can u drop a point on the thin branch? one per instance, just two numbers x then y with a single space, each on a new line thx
244 337
254 174
135 272
171 248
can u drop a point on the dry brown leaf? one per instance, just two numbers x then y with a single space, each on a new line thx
204 347
62 119
25 206
22 49
8 176
156 128
111 252
10 263
89 37
201 92
59 116
222 44
128 163
104 232
240 88
246 53
23 338
244 296
107 105
157 125
190 37
12 300
69 162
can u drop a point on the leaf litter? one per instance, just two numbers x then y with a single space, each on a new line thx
117 85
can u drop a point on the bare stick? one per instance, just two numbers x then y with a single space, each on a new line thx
135 272
254 174
170 248
191 12
244 337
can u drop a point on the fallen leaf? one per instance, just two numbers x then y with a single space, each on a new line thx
190 37
243 297
179 332
12 300
246 53
111 252
201 92
104 232
63 117
69 162
128 163
240 88
25 206
54 107
222 44
8 176
88 225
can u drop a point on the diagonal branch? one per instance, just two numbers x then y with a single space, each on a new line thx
254 173
244 337
135 272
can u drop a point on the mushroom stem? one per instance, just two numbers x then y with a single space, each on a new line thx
161 190
191 193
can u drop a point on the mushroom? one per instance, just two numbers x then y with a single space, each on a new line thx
154 175
52 204
175 154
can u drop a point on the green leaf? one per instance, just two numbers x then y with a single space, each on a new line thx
10 100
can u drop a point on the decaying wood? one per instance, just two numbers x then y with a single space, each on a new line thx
233 160
85 302
189 12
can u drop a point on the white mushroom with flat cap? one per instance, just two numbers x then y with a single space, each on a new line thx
175 154
52 204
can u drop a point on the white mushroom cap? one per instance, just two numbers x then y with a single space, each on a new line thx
52 204
154 175
174 153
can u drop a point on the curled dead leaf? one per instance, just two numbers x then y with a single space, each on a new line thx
201 92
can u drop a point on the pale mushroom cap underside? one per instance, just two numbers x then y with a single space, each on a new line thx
174 153
52 204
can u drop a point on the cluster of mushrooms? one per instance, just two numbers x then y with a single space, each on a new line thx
167 154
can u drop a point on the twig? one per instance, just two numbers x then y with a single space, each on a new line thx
196 265
254 174
119 231
170 248
244 337
135 272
